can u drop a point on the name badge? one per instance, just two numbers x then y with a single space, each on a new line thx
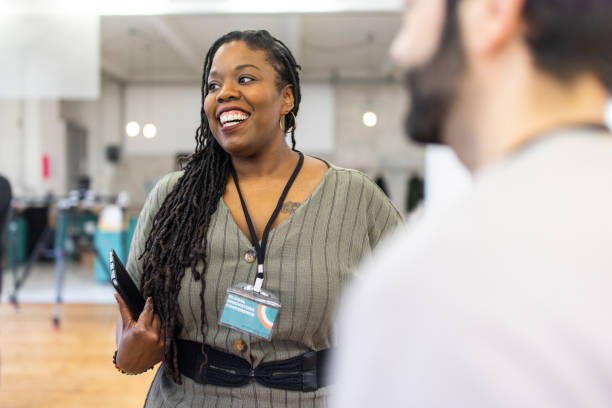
249 311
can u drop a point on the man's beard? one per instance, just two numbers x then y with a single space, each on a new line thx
433 87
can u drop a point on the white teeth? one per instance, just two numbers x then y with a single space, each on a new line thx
232 116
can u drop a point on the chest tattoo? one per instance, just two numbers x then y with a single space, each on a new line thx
289 207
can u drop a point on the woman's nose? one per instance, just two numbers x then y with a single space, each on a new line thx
228 92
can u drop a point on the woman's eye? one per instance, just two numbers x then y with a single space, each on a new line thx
213 87
244 80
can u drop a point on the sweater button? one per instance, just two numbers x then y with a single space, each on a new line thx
250 256
240 346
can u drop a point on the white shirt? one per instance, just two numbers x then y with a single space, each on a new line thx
505 300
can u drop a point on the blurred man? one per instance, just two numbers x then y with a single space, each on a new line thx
506 298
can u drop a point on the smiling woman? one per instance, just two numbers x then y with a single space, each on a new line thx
245 100
242 256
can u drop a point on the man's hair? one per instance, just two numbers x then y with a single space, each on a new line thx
178 237
568 38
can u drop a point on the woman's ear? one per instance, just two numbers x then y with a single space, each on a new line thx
288 100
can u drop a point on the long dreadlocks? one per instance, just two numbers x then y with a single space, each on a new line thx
178 236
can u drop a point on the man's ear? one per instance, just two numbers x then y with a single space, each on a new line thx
288 99
489 25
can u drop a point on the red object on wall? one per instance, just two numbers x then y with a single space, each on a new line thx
46 168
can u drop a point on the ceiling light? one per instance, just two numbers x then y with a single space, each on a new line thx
132 129
149 131
370 119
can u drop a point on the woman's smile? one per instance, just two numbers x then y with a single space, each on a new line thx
231 118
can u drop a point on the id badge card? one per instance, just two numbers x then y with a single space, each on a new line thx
249 311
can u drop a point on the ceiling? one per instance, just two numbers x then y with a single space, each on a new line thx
171 48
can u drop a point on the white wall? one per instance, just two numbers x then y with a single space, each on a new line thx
11 140
52 137
32 182
382 149
175 110
111 132
142 161
315 131
102 119
30 129
86 114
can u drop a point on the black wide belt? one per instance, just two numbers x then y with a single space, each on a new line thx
306 372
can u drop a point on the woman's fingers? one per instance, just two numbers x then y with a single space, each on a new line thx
146 317
126 316
156 324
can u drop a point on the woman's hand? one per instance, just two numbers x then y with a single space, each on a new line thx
140 343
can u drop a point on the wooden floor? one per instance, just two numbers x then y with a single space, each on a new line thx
69 367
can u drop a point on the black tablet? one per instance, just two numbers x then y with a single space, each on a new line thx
123 284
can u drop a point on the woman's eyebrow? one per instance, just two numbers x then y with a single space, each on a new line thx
239 67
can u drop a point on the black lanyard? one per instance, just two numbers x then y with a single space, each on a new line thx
261 248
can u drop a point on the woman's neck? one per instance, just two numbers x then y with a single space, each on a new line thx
273 161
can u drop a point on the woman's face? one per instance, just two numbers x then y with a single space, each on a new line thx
243 104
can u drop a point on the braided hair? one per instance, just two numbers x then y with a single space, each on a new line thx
178 237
